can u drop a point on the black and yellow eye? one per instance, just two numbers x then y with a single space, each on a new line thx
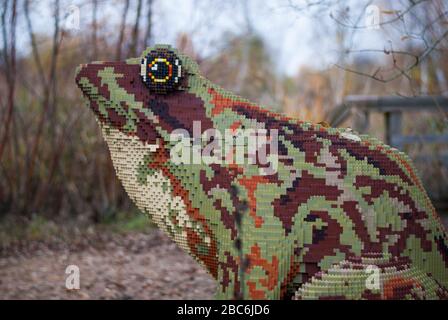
161 71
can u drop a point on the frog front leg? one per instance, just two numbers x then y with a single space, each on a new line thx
258 280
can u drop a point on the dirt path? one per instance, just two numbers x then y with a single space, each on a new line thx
133 266
112 266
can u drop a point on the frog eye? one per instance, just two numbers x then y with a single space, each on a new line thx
161 70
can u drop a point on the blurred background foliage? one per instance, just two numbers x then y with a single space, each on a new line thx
54 163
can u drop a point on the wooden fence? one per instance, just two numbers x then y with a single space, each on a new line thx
392 107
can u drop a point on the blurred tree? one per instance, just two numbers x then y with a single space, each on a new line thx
244 67
135 30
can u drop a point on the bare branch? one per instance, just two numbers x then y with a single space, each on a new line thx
134 38
122 27
95 29
46 102
148 23
418 59
34 49
398 17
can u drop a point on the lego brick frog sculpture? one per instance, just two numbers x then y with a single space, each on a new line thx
315 212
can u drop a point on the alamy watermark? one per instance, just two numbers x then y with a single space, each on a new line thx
373 280
72 14
73 281
372 16
233 146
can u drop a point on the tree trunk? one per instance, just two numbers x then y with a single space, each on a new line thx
10 66
148 23
121 34
134 38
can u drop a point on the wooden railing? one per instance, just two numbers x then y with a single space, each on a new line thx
393 108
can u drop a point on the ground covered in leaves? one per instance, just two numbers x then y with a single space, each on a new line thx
135 265
135 261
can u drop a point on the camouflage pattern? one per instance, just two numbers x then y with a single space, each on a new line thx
338 202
